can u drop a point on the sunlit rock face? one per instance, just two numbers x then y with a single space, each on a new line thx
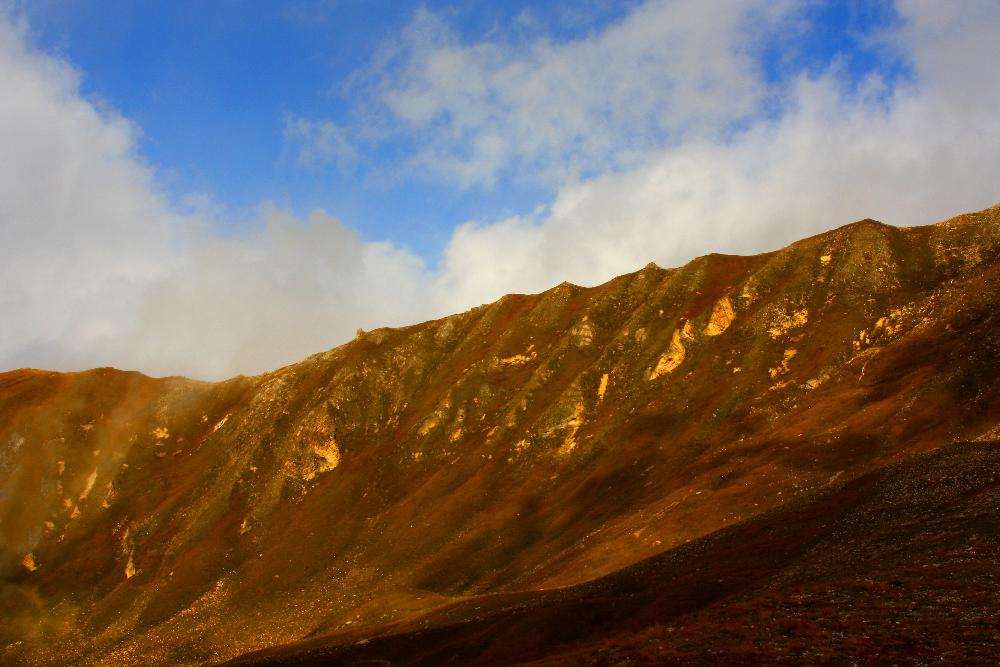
537 442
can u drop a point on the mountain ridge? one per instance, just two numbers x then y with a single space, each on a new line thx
534 443
564 284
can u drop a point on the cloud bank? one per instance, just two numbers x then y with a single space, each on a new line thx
662 137
98 268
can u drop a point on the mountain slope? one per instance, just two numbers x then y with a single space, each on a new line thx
857 558
541 441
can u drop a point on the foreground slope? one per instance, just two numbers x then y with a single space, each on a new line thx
537 442
896 565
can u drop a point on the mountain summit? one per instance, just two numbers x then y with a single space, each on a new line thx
533 477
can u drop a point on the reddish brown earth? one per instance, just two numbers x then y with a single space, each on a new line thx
743 459
891 567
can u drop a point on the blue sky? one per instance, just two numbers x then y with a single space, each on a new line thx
210 188
212 84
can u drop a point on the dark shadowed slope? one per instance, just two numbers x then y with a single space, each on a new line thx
897 564
541 441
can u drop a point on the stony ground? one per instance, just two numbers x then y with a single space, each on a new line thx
900 566
935 599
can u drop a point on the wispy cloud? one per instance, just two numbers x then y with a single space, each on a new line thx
910 154
320 141
534 108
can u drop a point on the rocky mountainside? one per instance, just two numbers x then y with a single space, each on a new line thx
426 476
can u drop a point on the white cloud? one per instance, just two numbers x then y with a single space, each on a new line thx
667 71
263 300
97 267
71 191
915 155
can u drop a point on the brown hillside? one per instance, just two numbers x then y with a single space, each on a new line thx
538 442
894 566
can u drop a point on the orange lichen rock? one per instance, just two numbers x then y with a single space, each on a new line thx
777 372
519 359
88 486
785 322
29 562
722 317
130 570
320 453
127 549
672 358
109 495
219 424
328 458
574 424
